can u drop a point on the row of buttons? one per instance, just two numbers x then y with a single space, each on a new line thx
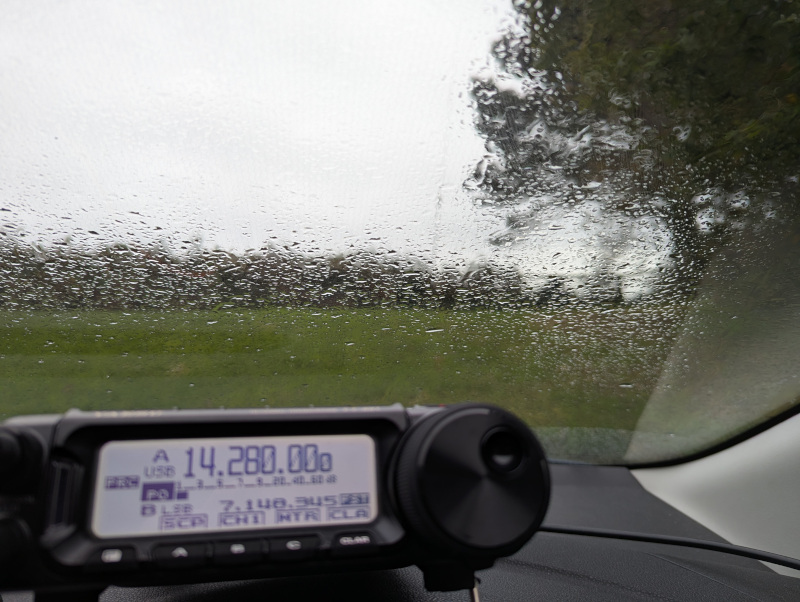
234 552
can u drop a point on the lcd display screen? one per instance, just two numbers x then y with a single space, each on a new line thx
189 486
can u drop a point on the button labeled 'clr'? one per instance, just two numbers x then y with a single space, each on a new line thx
362 542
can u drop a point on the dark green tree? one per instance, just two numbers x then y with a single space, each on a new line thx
689 112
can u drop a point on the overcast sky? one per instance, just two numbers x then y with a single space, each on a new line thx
331 126
238 120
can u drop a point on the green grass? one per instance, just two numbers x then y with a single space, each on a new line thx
575 367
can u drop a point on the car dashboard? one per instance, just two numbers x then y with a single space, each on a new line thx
551 566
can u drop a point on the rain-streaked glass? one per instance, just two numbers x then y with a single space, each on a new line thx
582 210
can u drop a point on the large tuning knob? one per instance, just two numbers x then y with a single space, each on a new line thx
472 480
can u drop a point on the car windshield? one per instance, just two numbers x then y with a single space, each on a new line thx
584 211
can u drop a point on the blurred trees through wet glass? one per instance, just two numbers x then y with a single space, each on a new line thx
638 301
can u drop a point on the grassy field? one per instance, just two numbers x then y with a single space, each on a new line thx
555 368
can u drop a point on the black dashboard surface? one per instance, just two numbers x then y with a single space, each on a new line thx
550 567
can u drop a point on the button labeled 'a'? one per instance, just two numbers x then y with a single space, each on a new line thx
189 554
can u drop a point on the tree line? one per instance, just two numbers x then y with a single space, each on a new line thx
124 277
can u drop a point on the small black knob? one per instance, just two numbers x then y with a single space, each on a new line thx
503 450
472 480
10 452
20 461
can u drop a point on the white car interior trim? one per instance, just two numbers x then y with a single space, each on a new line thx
748 493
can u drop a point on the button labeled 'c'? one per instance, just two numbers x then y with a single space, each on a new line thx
294 548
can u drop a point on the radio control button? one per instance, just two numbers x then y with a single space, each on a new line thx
238 551
293 548
113 559
180 555
346 544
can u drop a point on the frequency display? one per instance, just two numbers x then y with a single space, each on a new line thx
189 486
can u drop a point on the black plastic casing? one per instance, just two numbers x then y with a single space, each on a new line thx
54 544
